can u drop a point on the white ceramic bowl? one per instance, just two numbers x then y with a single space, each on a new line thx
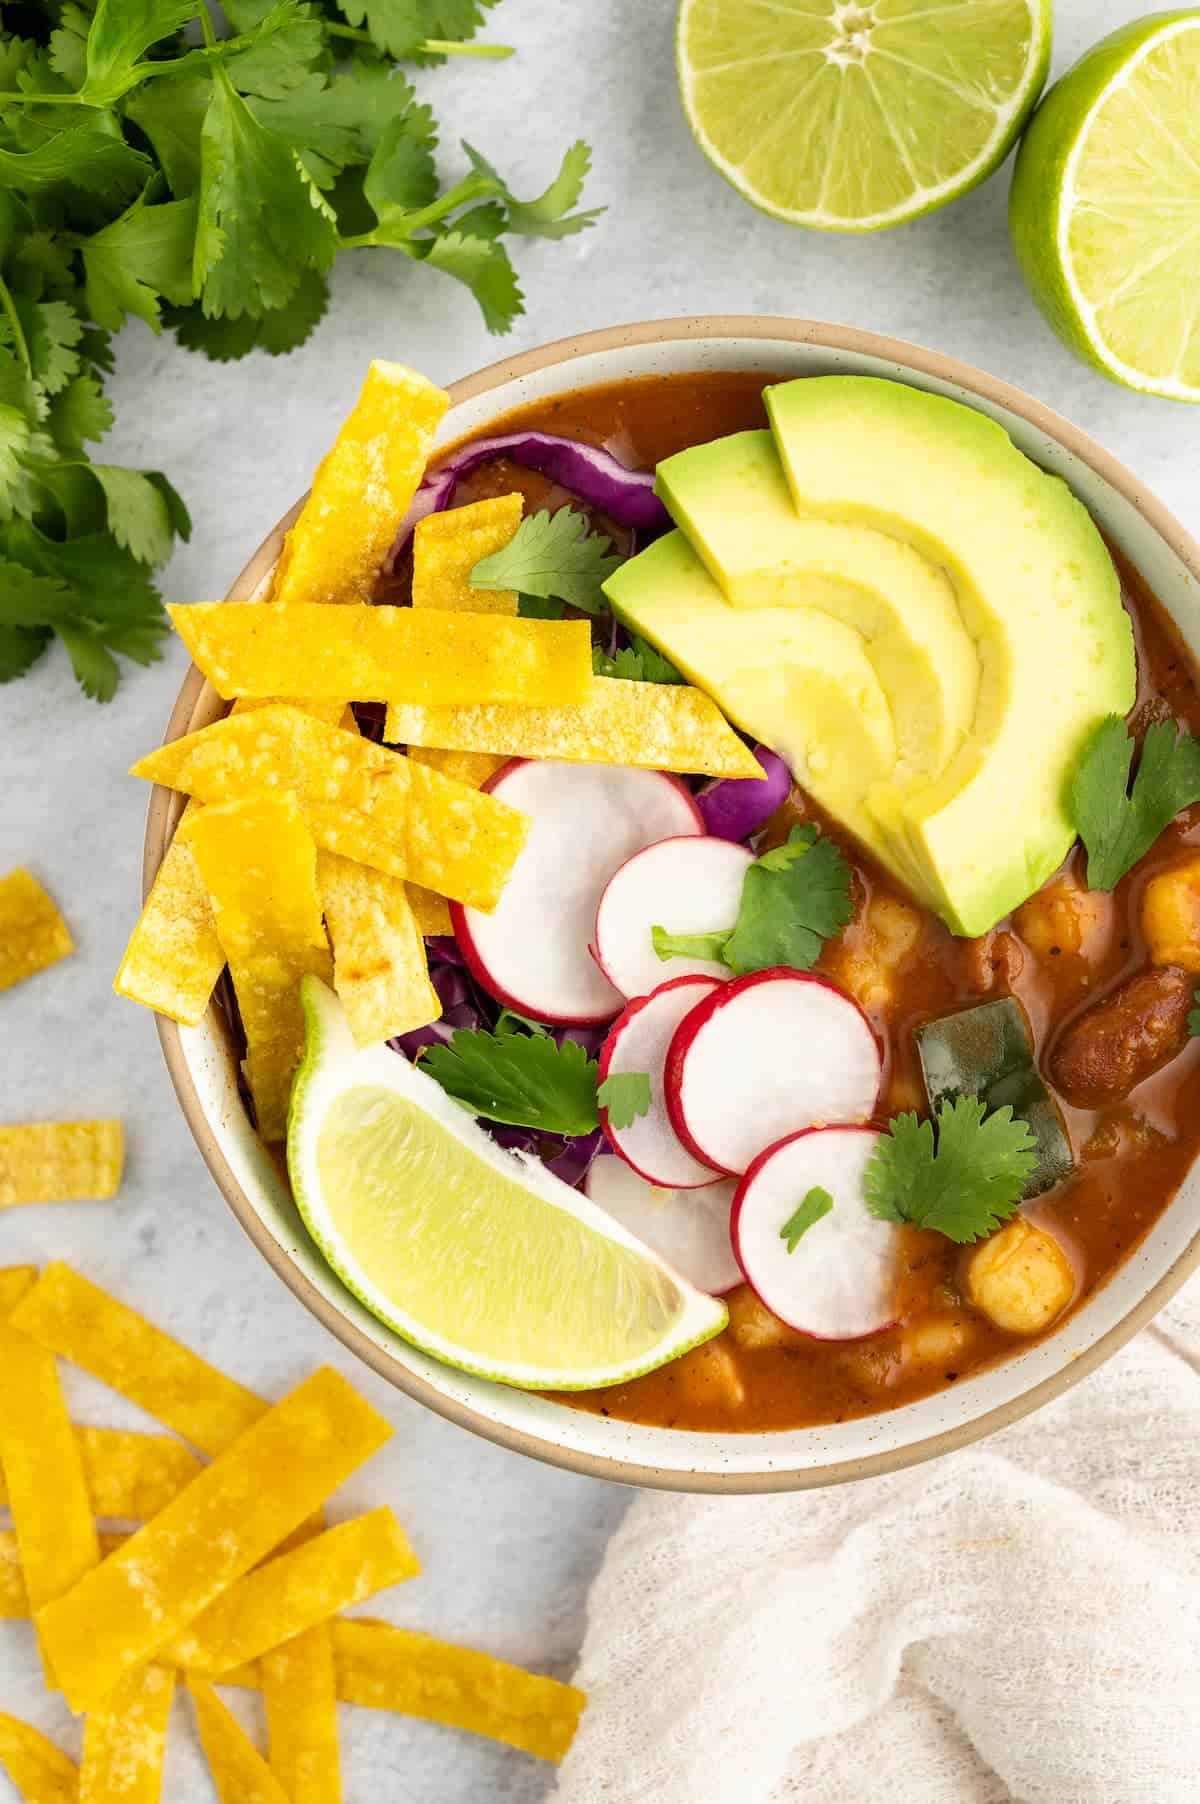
202 1068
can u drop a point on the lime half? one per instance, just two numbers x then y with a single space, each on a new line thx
851 115
1105 206
479 1256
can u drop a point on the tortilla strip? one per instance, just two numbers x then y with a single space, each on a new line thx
83 1324
431 912
15 1282
299 1686
33 934
362 801
379 967
125 1740
239 1772
14 1598
447 547
60 1162
362 489
226 1521
472 768
386 654
40 1771
128 1474
295 1591
659 726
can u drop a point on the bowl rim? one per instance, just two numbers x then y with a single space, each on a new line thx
165 807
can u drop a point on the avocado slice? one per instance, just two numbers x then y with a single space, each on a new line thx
732 500
1036 589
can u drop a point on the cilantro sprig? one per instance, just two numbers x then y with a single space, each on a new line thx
794 898
1116 822
816 1205
637 662
963 1181
522 1079
552 558
626 1096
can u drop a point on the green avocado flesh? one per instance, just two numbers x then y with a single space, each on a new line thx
973 586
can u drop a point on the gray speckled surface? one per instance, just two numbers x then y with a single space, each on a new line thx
508 1546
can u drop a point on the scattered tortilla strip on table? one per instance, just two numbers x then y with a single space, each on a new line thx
386 654
379 967
240 1775
387 1668
33 934
431 912
259 865
447 547
129 1474
472 768
362 489
299 1686
41 1772
15 1282
659 726
83 1324
227 1520
125 1740
60 1162
360 800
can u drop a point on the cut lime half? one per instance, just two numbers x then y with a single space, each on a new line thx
852 115
1105 206
479 1256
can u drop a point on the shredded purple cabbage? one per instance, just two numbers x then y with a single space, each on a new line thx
736 807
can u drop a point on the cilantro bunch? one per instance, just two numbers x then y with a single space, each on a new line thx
205 185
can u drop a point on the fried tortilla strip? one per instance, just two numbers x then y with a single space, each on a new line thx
299 1686
14 1598
33 933
15 1282
240 1775
387 1668
259 865
471 768
362 801
659 726
128 1474
41 1773
226 1521
125 1740
447 547
83 1324
362 489
60 1162
431 912
386 654
379 968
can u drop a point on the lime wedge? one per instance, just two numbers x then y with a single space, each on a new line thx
479 1256
1105 206
851 115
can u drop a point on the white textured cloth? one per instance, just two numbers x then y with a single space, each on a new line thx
1018 1621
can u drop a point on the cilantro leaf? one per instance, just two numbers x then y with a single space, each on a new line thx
171 114
52 332
690 945
401 176
806 1215
143 255
345 122
526 1080
400 27
549 216
1118 824
20 648
962 1185
626 1096
79 413
552 556
510 1022
121 33
138 516
276 332
638 662
541 607
483 265
89 156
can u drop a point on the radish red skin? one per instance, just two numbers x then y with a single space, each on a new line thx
699 1017
702 985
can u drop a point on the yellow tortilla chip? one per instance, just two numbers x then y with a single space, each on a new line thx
239 1772
33 933
83 1324
294 1591
659 726
447 547
362 801
15 1281
128 1474
386 654
396 1669
299 1687
41 1773
14 1598
379 968
362 489
332 709
430 912
259 865
141 1597
125 1740
472 768
60 1162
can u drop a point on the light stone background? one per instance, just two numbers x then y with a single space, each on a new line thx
508 1546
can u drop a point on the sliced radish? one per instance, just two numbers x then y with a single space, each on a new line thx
687 1228
638 1041
765 1056
840 1282
587 819
685 885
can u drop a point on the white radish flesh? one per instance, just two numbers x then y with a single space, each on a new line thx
687 1228
533 953
764 1057
841 1280
638 1041
685 885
